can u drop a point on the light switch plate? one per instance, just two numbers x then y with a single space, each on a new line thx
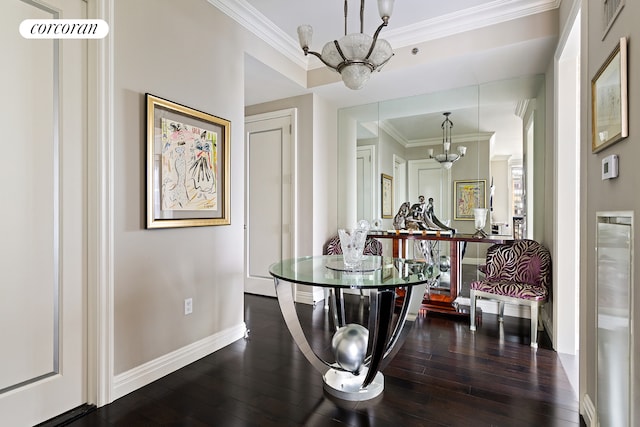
610 167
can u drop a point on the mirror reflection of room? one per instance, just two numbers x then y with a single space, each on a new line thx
403 139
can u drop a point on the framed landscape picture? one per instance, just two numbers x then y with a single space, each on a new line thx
187 166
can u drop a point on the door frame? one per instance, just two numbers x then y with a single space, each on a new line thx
369 211
292 114
100 215
399 181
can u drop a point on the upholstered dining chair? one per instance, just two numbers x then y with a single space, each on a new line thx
515 273
372 246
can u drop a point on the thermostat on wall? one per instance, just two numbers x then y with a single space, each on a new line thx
610 167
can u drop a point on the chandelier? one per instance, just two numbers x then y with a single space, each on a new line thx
447 159
355 56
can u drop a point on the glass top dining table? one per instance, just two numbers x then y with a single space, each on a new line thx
396 288
373 272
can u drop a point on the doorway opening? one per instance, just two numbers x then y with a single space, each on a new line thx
567 200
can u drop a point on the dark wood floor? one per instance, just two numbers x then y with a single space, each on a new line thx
443 376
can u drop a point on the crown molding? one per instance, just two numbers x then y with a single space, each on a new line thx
501 158
371 127
472 18
424 142
258 24
393 132
521 108
457 139
492 13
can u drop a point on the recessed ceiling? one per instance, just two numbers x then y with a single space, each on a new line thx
461 43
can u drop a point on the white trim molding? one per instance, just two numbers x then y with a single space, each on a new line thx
472 18
100 215
588 411
153 370
251 19
458 22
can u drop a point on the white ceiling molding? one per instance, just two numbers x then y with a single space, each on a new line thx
466 20
254 21
423 142
521 108
454 23
393 132
371 128
501 158
466 138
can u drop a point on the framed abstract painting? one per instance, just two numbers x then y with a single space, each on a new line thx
469 195
187 166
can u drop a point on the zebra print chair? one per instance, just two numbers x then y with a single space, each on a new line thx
516 273
372 246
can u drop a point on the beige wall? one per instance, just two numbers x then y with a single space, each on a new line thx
155 270
611 195
316 155
325 178
175 50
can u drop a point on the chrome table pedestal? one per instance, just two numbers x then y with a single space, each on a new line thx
390 316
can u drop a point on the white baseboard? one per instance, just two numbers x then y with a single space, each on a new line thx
491 307
309 294
588 411
147 373
547 322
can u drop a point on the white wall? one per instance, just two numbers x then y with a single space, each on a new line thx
500 172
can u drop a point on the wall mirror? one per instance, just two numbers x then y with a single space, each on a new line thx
394 137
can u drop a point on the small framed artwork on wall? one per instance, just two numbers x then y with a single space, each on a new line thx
609 108
611 9
469 195
386 196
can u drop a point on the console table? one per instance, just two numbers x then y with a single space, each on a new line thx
387 329
441 302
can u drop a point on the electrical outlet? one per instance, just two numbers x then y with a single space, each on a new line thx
188 306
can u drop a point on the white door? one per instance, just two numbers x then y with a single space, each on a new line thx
427 178
365 159
399 182
42 220
269 219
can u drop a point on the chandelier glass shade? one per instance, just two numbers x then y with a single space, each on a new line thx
447 158
356 55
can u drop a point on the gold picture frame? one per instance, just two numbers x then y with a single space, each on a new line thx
386 195
187 166
468 195
609 104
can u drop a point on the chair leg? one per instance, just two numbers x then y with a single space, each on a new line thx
472 310
540 326
534 325
326 298
500 311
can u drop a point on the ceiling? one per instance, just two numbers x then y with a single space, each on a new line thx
460 43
